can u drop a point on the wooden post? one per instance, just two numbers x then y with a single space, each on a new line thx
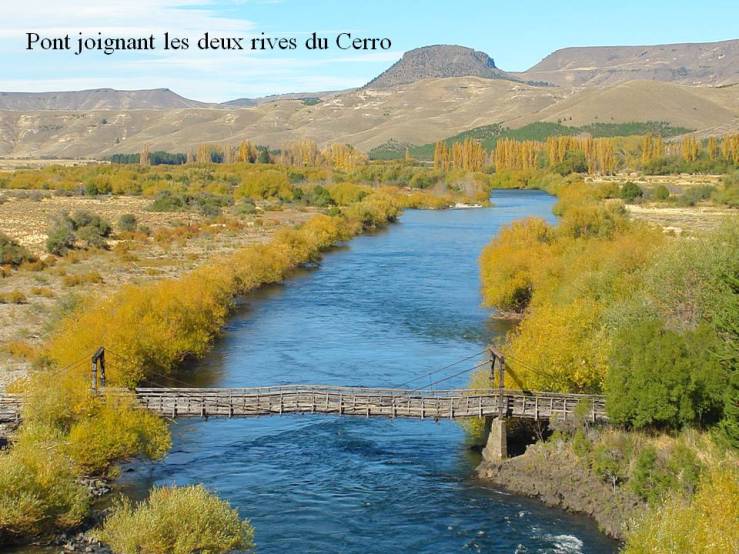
98 358
94 376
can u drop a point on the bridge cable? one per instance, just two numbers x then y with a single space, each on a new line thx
467 370
435 371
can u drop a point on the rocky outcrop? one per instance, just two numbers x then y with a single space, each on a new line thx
438 61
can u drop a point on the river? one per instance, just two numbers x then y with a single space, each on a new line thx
380 311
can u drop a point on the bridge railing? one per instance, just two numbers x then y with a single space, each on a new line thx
311 398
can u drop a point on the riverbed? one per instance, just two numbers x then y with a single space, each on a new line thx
388 309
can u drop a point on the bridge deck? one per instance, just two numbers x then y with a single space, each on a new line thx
357 401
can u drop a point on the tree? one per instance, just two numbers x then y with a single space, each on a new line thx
662 378
729 425
144 157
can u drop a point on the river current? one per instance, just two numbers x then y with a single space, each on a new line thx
383 310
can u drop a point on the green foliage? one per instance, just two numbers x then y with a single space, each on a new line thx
693 195
661 192
609 463
580 444
728 193
12 252
649 480
84 226
630 191
128 223
177 520
489 135
729 425
245 207
662 378
60 235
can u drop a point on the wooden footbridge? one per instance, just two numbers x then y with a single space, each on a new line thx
424 403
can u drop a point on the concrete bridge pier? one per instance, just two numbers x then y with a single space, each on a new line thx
496 448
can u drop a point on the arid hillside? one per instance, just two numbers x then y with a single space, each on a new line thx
416 113
96 99
698 64
430 94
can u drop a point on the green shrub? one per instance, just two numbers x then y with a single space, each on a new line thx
177 520
246 207
661 193
659 377
85 226
167 201
649 481
83 219
581 445
630 191
609 464
693 195
128 223
12 253
61 236
319 196
729 425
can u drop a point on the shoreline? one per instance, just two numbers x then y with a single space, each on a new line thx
554 477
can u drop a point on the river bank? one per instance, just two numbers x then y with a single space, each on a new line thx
552 474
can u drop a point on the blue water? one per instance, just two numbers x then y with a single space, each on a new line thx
380 311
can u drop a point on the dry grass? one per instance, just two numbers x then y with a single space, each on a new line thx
29 296
682 220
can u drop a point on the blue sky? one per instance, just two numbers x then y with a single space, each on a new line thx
517 34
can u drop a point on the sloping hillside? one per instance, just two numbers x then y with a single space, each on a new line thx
683 106
417 113
96 99
697 64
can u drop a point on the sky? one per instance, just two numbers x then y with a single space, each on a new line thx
517 34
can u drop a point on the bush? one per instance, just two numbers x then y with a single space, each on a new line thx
705 524
245 207
177 520
83 219
64 231
12 253
662 378
113 430
661 193
128 223
39 492
61 236
630 191
13 297
92 277
693 195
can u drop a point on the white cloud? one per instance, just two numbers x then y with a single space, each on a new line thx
189 17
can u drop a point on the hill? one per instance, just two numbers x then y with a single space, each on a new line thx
96 99
695 64
438 61
416 113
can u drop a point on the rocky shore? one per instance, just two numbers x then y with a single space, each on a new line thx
553 474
